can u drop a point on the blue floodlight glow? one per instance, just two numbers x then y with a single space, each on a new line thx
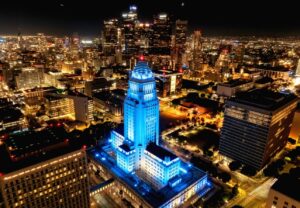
183 170
139 149
208 183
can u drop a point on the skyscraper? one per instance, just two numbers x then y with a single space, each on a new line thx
143 33
256 126
150 174
141 104
196 50
110 38
180 40
161 38
129 20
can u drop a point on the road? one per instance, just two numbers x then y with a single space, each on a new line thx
255 198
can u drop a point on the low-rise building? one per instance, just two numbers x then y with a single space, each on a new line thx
284 193
168 82
229 89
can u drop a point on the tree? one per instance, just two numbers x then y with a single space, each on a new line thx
271 171
234 165
248 171
295 172
235 190
292 141
225 177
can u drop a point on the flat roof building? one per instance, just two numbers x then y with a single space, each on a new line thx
256 126
40 169
284 193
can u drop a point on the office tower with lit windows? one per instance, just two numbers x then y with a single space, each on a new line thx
40 169
196 49
161 37
110 37
151 175
143 33
256 126
180 40
29 77
129 20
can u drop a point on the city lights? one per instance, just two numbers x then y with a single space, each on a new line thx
163 104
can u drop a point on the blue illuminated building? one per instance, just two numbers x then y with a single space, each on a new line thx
152 174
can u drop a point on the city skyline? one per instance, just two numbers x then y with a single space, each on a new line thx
149 104
222 18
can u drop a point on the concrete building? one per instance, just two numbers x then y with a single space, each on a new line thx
229 89
168 82
284 193
96 85
11 118
29 78
73 103
256 126
49 173
149 175
274 73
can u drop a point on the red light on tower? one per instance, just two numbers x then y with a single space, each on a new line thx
142 58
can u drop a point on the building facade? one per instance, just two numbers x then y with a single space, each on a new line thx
284 193
58 182
145 172
256 126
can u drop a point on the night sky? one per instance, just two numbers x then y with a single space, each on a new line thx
214 17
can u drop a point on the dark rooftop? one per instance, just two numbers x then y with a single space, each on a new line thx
160 152
27 148
8 114
234 83
264 80
288 186
263 98
166 72
125 147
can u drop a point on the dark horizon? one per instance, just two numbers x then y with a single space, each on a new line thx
213 18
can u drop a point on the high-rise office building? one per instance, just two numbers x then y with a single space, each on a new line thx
161 37
196 50
143 35
129 20
110 37
151 175
256 126
180 40
40 169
